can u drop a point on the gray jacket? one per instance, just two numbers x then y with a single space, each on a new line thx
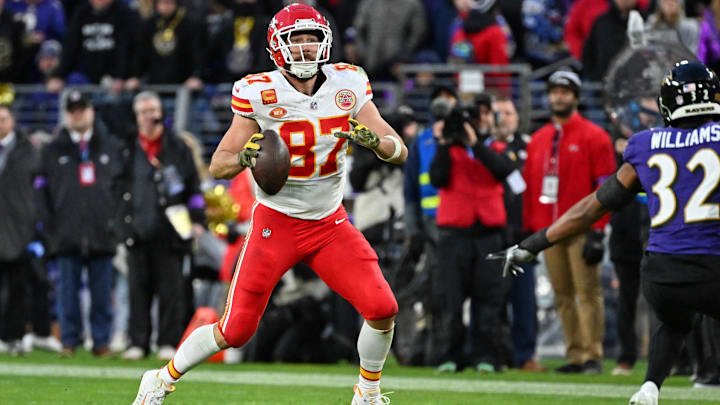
686 31
388 31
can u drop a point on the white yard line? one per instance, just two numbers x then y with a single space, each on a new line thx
389 382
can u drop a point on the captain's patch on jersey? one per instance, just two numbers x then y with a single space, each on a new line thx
278 112
345 99
269 96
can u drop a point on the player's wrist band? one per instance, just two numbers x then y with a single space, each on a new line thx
398 148
536 242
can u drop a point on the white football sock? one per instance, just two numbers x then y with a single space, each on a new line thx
194 350
373 346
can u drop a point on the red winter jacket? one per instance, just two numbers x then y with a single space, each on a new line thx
585 159
472 194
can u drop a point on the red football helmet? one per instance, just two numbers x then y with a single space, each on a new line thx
294 18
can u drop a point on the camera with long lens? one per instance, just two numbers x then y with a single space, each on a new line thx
455 116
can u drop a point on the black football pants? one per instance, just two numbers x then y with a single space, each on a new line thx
677 304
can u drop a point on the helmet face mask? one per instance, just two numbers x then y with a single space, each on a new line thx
690 89
294 20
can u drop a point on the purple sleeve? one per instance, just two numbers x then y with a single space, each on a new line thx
631 149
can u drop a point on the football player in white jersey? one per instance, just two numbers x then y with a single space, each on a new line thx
315 108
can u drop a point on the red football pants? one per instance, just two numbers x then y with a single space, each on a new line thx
337 252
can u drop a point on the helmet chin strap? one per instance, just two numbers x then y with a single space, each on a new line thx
303 70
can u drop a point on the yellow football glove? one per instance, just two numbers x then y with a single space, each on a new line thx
360 134
249 154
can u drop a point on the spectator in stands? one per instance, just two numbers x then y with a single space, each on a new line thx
237 47
388 33
470 218
709 42
19 164
439 14
670 24
511 10
567 159
11 33
606 39
544 22
44 19
82 168
48 58
583 14
508 140
480 38
96 47
163 208
170 48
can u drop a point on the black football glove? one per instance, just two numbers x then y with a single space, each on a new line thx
594 249
249 154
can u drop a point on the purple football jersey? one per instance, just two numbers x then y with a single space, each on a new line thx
680 171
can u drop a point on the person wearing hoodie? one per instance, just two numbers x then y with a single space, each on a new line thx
607 38
96 46
170 48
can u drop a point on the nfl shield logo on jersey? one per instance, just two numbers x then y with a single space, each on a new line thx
266 233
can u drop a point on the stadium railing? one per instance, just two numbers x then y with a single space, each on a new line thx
206 113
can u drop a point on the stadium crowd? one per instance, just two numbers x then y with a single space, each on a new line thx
133 202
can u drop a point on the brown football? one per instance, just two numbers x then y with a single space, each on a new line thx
273 163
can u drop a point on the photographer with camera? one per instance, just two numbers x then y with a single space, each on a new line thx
471 218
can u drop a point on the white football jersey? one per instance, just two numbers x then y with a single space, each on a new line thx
314 188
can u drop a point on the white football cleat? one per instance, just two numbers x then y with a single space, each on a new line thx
374 397
647 395
153 389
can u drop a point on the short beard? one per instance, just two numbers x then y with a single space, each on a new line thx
564 112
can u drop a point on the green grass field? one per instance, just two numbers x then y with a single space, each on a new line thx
42 378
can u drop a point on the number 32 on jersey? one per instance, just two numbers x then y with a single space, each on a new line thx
305 149
697 208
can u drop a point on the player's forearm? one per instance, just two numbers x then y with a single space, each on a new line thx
387 147
225 165
578 219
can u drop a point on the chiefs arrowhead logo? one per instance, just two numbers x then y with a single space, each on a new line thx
269 96
278 112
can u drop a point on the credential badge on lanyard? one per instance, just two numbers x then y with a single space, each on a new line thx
551 182
86 169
